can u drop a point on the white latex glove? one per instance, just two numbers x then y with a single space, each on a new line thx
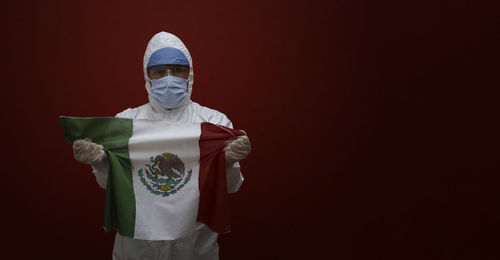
237 149
87 152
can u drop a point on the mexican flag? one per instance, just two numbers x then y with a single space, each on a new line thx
163 176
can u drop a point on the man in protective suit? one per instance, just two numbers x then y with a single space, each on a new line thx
168 72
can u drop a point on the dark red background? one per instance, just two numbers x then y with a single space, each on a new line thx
372 123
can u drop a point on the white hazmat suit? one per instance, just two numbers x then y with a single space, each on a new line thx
202 243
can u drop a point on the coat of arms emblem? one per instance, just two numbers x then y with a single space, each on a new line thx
166 175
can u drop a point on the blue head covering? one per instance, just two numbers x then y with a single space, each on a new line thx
167 56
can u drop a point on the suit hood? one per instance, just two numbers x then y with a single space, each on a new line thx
159 41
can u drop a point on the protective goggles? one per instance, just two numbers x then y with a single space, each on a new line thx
161 71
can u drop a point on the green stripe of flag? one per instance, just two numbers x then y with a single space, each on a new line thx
113 134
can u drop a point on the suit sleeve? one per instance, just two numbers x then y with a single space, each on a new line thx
100 170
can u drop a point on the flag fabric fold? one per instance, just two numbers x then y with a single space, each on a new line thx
163 176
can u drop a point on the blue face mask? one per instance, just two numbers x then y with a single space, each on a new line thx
169 91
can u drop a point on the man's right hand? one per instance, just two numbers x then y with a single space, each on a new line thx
87 152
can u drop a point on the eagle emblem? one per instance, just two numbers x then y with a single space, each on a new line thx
166 175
